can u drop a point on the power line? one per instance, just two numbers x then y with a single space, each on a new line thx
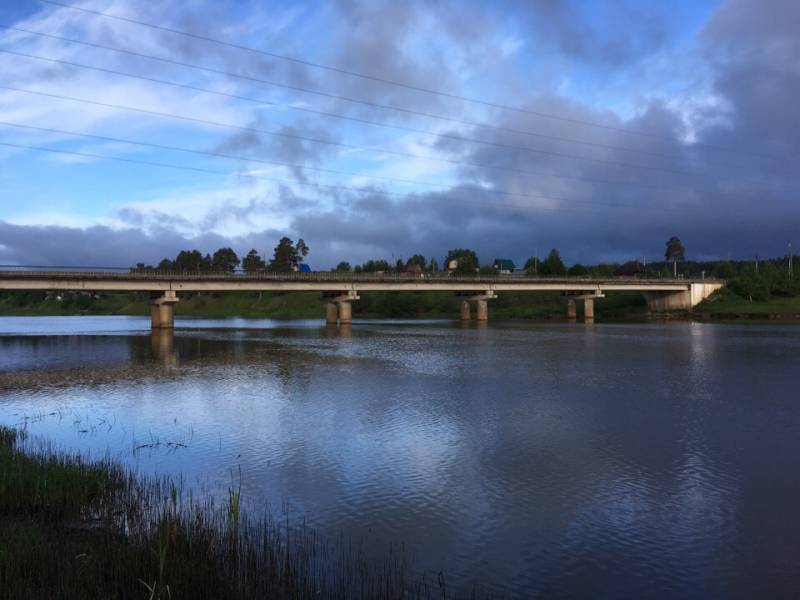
150 163
346 99
262 101
376 79
274 133
319 169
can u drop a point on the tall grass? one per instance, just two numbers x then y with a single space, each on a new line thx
72 528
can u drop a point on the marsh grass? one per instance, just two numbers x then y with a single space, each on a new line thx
73 528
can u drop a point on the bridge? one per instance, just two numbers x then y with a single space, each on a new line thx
340 290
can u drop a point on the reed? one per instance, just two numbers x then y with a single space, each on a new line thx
73 528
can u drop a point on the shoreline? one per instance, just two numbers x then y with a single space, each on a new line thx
532 307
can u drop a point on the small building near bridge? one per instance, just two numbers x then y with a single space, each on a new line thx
504 266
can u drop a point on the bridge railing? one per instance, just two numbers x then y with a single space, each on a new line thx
12 272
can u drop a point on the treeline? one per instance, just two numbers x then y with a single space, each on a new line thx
287 256
754 280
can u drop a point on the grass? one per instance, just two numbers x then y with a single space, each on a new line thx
71 528
309 305
540 306
727 305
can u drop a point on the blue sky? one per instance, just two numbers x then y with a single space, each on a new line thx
634 121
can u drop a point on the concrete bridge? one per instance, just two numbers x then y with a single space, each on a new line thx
340 290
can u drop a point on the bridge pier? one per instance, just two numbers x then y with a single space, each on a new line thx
588 310
588 305
331 313
339 307
345 312
466 311
482 312
162 309
680 300
481 302
572 311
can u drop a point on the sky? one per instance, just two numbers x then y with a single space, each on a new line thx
130 130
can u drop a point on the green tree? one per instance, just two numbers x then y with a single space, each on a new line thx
675 252
399 266
301 249
578 270
553 265
751 284
372 266
433 266
224 261
165 265
532 266
724 270
287 255
191 260
467 260
343 267
253 263
417 259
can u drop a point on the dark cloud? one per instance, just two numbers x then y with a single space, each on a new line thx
728 187
291 145
106 247
609 32
754 51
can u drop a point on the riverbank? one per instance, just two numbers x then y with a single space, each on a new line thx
544 306
71 528
537 306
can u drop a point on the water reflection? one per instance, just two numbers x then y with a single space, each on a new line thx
563 461
162 345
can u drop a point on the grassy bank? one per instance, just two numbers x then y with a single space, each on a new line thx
729 306
539 306
309 305
70 528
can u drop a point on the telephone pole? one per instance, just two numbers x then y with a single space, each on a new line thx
791 273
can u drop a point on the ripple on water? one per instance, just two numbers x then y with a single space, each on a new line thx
560 461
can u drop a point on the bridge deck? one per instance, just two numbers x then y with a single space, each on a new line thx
322 282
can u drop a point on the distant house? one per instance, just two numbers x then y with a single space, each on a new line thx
504 266
303 268
413 269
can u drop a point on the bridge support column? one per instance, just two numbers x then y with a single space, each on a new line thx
588 304
482 307
572 311
680 300
588 310
331 313
162 310
466 311
481 302
339 307
345 312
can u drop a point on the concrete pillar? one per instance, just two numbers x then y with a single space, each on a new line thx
162 316
331 313
588 310
572 313
482 310
345 313
466 312
162 310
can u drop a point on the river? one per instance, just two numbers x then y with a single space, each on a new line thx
552 460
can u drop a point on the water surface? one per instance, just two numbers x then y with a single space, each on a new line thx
654 460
